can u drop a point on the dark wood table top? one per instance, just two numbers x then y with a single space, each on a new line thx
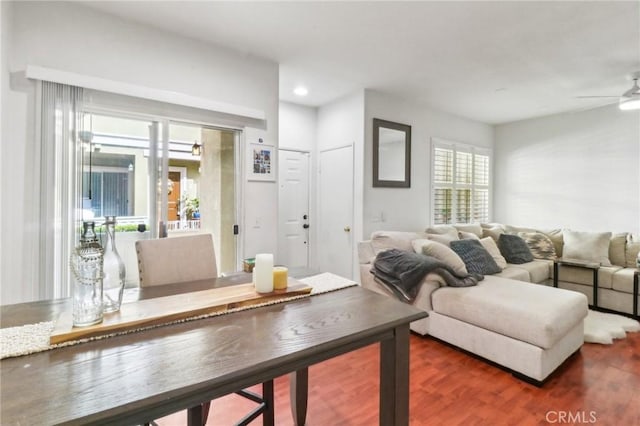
144 375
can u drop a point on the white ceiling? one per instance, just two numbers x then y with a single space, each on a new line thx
493 62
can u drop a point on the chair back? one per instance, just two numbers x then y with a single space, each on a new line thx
177 259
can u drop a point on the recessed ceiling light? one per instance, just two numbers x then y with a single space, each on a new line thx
301 91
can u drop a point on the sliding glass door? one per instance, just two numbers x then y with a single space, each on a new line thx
161 178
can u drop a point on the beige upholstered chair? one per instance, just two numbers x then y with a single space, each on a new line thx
182 259
174 260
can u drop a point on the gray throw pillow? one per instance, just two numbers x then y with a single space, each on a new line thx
514 249
475 257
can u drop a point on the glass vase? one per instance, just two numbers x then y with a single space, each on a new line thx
114 270
86 268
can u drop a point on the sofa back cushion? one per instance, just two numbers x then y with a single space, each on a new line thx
632 249
514 249
385 240
475 257
473 228
441 252
588 246
555 235
617 249
443 238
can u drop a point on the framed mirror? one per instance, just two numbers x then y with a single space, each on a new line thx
391 154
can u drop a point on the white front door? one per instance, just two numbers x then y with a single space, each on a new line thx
293 211
335 207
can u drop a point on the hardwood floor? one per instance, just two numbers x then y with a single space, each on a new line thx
599 385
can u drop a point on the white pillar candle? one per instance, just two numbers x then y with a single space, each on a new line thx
264 273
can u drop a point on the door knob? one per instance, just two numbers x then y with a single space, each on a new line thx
305 226
347 229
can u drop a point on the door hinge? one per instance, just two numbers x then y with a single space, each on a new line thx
236 230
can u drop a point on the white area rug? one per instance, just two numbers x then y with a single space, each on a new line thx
600 327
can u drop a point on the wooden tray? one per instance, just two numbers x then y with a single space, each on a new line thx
163 310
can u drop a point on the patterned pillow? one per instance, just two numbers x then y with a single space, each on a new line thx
540 245
514 249
475 257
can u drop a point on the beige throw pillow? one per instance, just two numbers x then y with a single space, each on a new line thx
617 249
492 232
588 246
473 228
467 235
440 252
443 238
490 245
631 253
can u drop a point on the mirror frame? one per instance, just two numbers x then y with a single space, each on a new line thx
406 129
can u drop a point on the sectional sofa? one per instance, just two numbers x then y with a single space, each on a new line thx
508 318
615 252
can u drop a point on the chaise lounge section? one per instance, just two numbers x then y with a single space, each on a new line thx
528 328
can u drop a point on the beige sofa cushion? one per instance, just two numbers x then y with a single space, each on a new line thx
473 228
467 235
617 247
631 251
443 238
574 274
623 280
440 252
442 229
532 313
492 232
555 235
385 240
589 246
538 270
490 245
514 274
510 229
366 254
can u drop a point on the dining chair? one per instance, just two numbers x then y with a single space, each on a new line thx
191 258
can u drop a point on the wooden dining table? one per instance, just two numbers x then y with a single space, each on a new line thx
140 376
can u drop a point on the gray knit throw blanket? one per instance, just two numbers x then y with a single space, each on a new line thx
402 272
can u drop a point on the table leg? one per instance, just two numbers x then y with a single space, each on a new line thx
298 390
195 416
268 397
635 293
595 288
394 378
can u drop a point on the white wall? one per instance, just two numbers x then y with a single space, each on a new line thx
409 208
297 127
575 170
70 37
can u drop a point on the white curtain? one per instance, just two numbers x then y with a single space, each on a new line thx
61 161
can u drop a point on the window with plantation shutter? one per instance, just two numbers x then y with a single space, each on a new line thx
460 183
